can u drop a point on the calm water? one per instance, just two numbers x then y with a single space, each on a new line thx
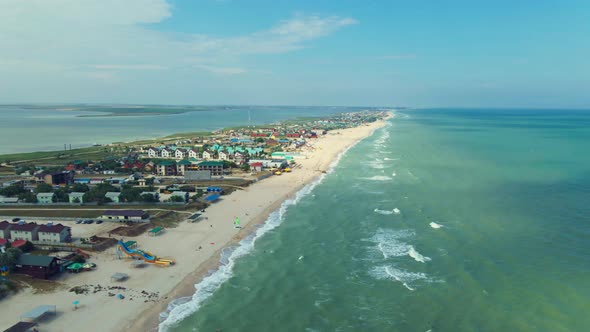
510 191
29 130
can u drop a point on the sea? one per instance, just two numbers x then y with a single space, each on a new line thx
29 128
443 220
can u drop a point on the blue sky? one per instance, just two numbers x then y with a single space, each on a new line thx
321 52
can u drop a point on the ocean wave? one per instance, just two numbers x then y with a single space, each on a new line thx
383 212
378 178
435 225
406 278
390 159
180 309
417 256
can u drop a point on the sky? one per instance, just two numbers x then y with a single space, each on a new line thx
414 53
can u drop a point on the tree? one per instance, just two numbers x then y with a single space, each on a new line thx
97 193
10 257
61 195
80 188
259 140
43 188
245 167
177 199
13 190
148 198
28 197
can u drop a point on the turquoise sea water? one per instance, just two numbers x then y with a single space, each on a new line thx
509 191
24 129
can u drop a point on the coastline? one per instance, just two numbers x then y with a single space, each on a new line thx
254 206
150 319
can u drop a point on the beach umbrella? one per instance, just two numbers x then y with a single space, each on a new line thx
76 303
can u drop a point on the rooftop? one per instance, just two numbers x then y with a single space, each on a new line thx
52 228
35 260
24 227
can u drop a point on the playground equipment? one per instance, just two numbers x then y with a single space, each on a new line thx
145 255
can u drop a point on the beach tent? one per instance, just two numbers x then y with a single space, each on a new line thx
119 276
155 231
38 312
212 198
131 244
75 267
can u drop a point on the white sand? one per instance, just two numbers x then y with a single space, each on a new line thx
99 312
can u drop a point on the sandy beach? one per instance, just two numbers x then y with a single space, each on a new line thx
195 247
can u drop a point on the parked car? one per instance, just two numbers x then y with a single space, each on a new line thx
99 221
90 221
79 221
15 219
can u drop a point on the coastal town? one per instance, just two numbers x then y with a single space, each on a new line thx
66 222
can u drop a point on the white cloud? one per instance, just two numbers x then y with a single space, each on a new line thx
114 37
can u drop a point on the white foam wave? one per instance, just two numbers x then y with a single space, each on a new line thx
383 212
179 309
390 159
390 272
394 174
378 178
417 256
389 242
435 225
396 211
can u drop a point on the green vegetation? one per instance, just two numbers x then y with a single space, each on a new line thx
10 258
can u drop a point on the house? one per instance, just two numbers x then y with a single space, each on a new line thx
54 233
239 157
45 198
5 230
271 142
76 197
24 231
8 200
180 153
293 135
256 167
182 166
165 153
57 178
152 152
37 266
192 153
216 167
208 155
114 196
166 168
126 215
155 195
182 194
223 155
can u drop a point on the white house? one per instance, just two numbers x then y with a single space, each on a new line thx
207 155
126 215
76 197
24 231
223 155
114 196
152 152
192 153
165 153
54 233
180 153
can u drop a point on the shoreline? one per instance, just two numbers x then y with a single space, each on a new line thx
196 247
150 318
